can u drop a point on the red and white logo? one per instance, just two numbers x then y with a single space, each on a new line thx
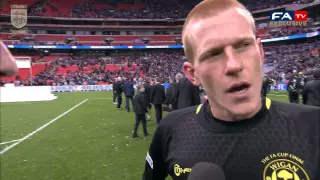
300 16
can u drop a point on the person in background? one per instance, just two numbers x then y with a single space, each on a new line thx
114 91
175 87
8 65
266 86
311 92
140 109
128 92
302 82
118 86
170 95
157 99
188 94
147 93
293 88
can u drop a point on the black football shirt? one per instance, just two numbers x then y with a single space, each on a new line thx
281 142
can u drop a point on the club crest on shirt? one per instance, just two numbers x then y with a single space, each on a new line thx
284 166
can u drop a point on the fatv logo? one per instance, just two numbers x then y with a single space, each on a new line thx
289 16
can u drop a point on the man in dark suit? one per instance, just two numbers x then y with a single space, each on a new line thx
128 92
188 94
118 88
311 92
157 98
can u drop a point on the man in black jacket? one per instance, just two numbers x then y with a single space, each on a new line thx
128 92
118 88
311 92
188 94
140 108
157 98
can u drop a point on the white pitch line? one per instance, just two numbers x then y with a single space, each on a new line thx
42 127
9 141
277 95
100 98
280 95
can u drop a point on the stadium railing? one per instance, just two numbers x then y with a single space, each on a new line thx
21 46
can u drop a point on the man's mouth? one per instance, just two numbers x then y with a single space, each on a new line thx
238 87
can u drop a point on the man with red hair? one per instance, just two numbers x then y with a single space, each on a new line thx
249 136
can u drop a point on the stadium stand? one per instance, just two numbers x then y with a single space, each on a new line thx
127 9
61 68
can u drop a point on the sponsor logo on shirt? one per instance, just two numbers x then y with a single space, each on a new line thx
178 170
149 160
284 166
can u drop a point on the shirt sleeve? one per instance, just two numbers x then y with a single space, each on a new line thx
155 165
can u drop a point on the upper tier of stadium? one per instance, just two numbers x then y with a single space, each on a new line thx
127 8
127 31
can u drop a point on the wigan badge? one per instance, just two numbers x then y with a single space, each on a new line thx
19 15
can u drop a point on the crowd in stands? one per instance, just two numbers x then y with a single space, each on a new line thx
149 8
91 69
302 57
281 32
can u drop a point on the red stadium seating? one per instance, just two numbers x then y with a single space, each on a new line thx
24 72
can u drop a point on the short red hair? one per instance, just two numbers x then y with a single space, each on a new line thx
205 9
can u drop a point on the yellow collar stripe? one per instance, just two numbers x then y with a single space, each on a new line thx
268 103
198 108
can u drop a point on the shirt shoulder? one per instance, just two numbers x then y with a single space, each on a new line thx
296 110
303 116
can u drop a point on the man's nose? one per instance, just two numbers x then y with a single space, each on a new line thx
233 65
8 66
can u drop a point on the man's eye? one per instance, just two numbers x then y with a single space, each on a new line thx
242 45
215 53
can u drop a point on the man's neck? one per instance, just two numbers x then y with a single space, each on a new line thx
225 115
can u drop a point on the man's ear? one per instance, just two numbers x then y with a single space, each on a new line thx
261 50
190 73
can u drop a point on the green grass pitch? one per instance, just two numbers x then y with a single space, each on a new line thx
91 142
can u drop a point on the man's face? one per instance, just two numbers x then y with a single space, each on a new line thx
142 89
227 62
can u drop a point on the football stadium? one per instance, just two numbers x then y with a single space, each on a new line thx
70 111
